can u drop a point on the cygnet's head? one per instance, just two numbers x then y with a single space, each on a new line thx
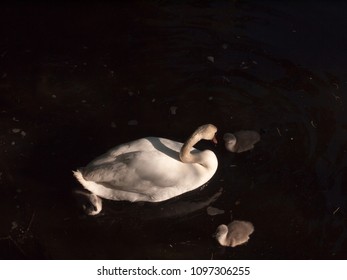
230 142
222 230
241 141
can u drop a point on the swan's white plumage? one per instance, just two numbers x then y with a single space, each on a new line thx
148 169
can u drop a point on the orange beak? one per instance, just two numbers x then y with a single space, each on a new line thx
214 140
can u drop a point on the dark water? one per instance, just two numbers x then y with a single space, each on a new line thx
74 76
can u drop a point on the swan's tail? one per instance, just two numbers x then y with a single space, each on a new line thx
92 198
78 175
91 186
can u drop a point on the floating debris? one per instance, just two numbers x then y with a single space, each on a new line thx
153 100
254 62
243 65
13 143
173 110
226 79
210 59
336 96
14 119
4 75
31 222
18 130
210 98
225 46
130 93
212 211
14 225
313 124
84 101
133 122
113 125
279 132
54 96
337 209
336 85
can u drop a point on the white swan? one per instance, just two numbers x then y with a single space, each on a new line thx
234 234
241 141
149 169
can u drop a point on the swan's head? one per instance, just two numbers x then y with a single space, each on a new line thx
208 132
230 141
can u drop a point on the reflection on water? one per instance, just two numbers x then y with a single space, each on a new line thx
80 80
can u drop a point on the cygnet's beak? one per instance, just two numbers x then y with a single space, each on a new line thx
214 140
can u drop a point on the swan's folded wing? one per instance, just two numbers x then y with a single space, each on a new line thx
111 171
140 172
143 144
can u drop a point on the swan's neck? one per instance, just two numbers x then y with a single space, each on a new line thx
185 155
